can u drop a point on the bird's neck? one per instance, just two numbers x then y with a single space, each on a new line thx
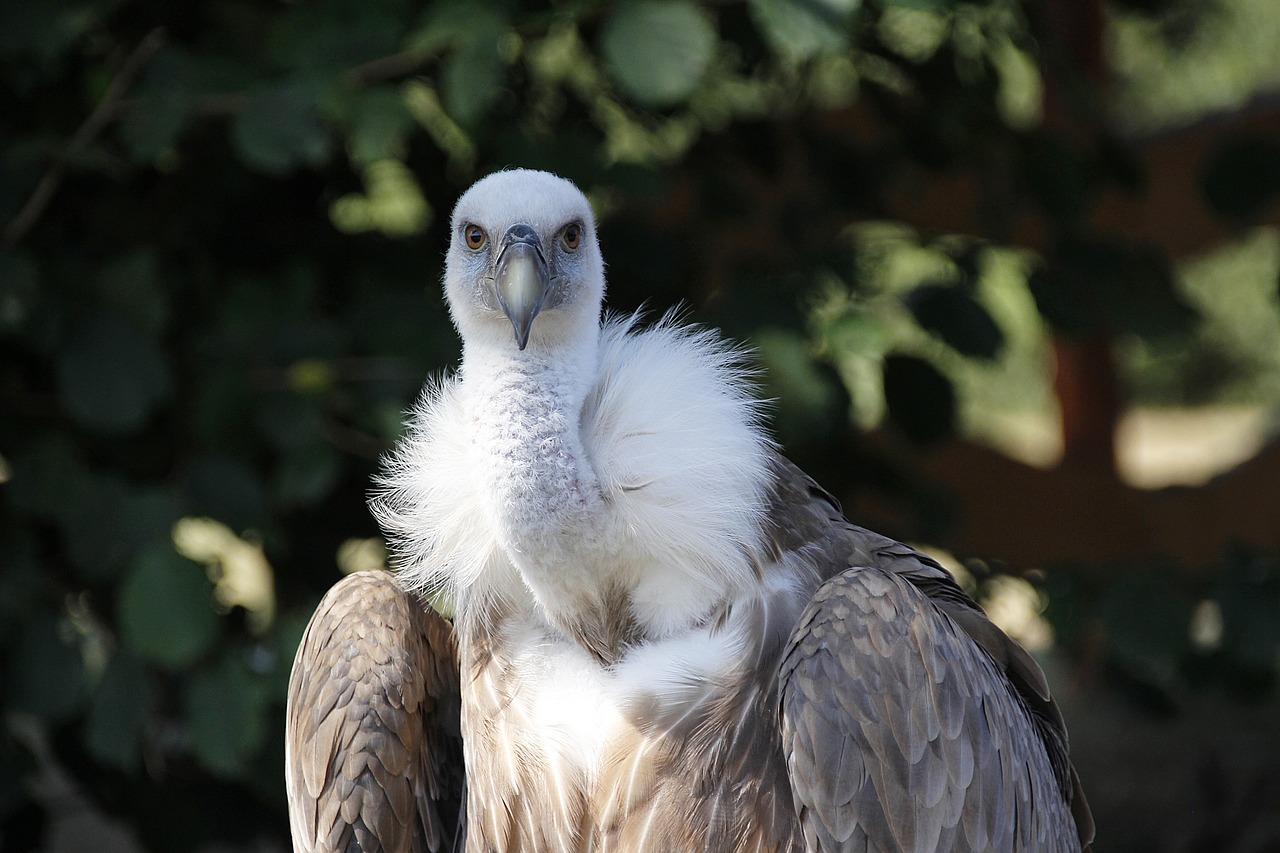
545 496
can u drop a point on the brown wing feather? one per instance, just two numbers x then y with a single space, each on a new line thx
911 722
373 751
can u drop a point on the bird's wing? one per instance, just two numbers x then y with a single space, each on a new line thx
911 722
373 750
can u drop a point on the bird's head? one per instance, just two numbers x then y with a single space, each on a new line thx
523 249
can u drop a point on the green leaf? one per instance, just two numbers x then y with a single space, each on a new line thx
920 400
46 675
380 123
1147 626
801 29
1250 600
658 50
226 709
106 522
118 713
471 78
328 37
957 318
44 30
228 490
307 475
811 400
926 5
160 111
1112 286
165 609
281 129
111 378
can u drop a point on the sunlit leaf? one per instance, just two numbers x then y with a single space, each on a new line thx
658 50
393 204
165 609
118 712
799 29
112 378
226 709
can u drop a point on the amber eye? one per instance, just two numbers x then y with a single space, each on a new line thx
473 236
571 237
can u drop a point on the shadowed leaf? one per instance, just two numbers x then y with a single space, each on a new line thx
957 318
658 50
111 378
165 609
920 400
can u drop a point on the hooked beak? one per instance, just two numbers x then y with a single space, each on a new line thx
521 280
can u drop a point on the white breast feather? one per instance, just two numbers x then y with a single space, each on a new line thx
675 437
673 434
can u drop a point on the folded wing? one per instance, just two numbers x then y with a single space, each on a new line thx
912 723
374 754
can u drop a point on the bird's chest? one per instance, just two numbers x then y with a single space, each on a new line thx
564 754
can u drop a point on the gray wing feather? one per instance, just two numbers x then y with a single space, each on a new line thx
373 750
909 721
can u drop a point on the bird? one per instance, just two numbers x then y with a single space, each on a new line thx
659 633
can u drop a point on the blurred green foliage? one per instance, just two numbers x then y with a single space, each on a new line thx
224 223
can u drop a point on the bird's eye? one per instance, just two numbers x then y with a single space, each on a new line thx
473 236
571 237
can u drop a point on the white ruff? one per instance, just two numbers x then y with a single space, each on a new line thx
672 435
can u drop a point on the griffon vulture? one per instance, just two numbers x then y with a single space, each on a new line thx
664 635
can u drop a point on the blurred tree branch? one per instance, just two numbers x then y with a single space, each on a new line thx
106 111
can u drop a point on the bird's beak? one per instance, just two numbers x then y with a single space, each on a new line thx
521 279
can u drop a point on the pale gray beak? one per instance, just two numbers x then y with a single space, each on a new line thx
521 280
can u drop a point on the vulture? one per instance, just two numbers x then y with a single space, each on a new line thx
662 635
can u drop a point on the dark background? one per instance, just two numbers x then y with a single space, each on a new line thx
1011 268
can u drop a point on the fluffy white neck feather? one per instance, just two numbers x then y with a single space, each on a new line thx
642 468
